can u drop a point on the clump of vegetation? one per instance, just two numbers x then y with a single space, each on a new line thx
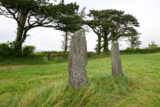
10 49
134 42
152 48
28 51
4 50
152 45
13 49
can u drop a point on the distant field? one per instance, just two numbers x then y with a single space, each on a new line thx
38 83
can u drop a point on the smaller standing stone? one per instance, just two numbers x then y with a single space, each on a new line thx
78 60
116 59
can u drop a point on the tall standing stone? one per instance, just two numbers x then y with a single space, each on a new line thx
116 59
78 60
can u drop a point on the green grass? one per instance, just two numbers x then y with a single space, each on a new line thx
30 61
46 84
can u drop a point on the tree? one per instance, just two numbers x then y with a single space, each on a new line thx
65 41
74 23
122 25
111 25
69 25
30 14
96 26
134 42
152 45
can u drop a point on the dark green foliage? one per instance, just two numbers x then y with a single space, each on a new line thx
10 49
28 51
143 51
134 41
15 48
111 25
152 48
90 54
30 14
71 23
153 45
4 50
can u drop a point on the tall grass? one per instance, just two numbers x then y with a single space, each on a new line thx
47 85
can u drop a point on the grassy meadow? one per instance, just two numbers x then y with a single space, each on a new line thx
38 83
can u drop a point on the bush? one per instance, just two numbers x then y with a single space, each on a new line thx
145 50
5 50
16 50
28 51
89 54
10 49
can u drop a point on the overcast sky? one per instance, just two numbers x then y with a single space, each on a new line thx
146 11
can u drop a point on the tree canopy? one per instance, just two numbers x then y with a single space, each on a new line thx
112 24
39 13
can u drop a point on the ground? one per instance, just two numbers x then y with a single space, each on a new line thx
45 84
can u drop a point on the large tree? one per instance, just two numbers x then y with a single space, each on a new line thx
111 25
30 14
100 26
70 25
96 25
121 24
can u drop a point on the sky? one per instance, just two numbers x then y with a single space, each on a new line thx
48 39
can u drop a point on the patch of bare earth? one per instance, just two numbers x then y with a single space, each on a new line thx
19 66
14 66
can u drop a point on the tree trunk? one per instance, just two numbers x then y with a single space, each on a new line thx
20 29
78 60
66 42
99 44
116 59
105 44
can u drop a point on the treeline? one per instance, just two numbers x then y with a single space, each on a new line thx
109 25
12 49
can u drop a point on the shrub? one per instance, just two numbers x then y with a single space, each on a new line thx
28 51
10 49
5 50
16 50
145 50
89 54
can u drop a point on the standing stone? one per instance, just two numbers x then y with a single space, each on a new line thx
78 60
116 59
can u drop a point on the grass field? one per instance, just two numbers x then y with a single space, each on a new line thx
38 83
